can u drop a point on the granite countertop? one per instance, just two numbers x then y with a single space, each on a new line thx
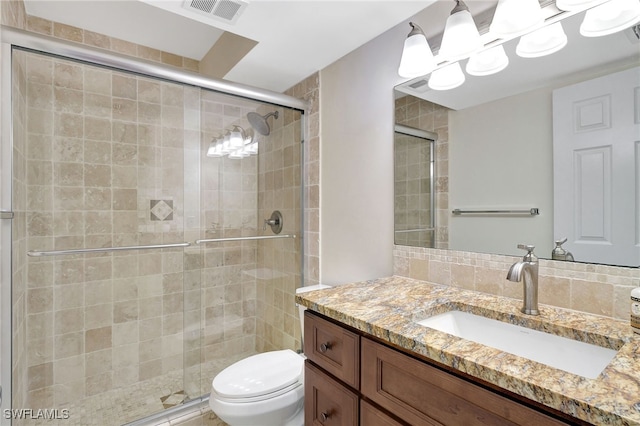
388 308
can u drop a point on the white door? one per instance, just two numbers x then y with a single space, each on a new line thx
596 162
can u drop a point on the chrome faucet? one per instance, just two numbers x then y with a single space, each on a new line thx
527 271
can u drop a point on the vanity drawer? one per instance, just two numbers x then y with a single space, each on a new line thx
371 416
327 402
422 394
332 348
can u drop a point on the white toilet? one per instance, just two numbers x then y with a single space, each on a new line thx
266 389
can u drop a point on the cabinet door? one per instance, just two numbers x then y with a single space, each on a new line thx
422 394
327 402
332 348
371 416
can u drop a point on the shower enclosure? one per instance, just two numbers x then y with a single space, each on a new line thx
141 263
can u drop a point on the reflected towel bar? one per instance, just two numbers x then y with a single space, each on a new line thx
103 249
532 211
260 237
414 230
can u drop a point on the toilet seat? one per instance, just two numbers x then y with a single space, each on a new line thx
259 377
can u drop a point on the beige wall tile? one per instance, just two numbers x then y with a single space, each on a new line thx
67 32
578 286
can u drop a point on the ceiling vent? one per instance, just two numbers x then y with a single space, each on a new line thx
419 86
227 11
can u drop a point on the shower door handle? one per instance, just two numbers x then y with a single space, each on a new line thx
5 214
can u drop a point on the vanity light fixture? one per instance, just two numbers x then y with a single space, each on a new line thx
446 78
236 143
515 17
511 19
237 137
226 146
542 42
487 62
570 5
610 17
252 148
237 154
417 58
215 149
461 37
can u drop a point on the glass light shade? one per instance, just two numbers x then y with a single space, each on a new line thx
542 42
487 62
252 148
417 58
236 138
571 5
461 37
447 78
237 154
212 149
226 145
610 17
215 149
515 17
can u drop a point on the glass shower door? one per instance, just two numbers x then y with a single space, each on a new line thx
120 310
98 163
248 272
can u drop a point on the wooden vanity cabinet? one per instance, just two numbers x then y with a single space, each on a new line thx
351 379
422 394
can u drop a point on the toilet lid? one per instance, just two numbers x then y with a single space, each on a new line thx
259 374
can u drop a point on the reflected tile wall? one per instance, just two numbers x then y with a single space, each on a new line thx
425 115
412 191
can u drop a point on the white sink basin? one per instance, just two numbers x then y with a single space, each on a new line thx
583 359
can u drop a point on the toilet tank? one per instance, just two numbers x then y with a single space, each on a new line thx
302 308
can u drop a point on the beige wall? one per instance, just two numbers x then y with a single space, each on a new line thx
356 191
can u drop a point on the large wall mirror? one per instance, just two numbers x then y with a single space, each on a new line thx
497 133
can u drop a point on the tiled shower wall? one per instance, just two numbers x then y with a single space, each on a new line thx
279 262
105 161
113 160
420 114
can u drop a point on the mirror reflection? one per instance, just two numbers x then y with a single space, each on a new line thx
496 137
413 187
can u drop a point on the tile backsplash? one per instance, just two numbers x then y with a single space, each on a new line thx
597 289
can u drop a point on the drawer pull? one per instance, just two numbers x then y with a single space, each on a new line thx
324 416
325 347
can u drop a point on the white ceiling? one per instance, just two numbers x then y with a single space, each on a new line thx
295 38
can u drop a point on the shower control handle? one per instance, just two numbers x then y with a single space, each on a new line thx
275 222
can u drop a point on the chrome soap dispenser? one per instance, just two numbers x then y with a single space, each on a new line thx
559 253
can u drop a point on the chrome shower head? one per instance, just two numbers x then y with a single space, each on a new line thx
259 122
